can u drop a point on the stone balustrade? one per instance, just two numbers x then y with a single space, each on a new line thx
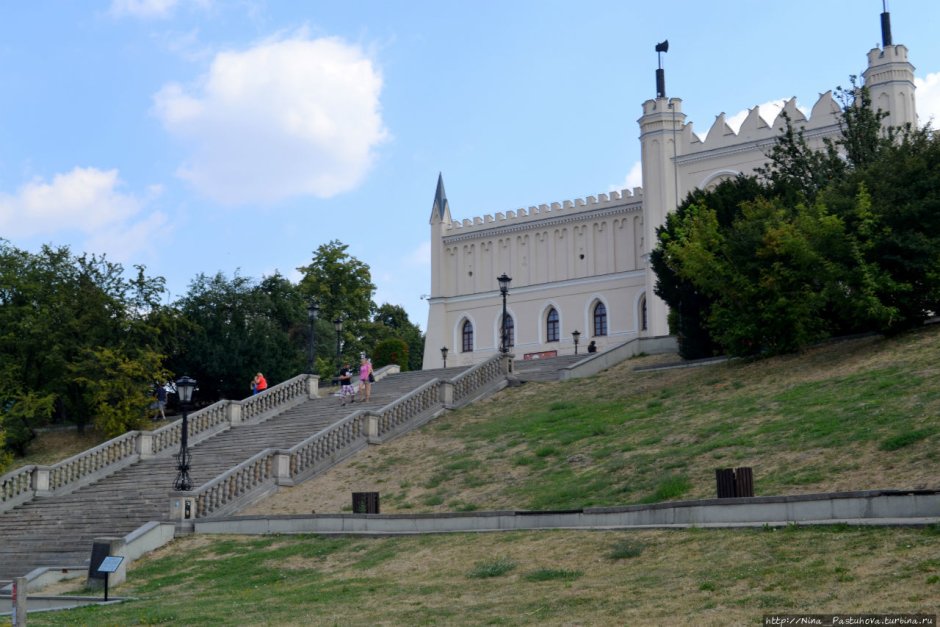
25 483
93 461
274 398
417 402
475 378
16 487
228 487
318 451
323 449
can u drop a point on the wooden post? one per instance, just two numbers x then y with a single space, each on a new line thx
19 602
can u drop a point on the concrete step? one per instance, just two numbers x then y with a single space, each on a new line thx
59 530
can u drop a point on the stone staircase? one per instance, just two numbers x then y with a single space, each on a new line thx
546 369
58 531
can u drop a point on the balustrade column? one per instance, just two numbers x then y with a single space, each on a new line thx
313 386
41 481
145 442
233 413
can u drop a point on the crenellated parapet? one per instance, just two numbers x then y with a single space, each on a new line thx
544 211
823 116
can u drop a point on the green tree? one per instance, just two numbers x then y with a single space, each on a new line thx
391 351
343 287
391 321
777 276
21 413
689 305
903 182
236 327
53 308
119 386
837 240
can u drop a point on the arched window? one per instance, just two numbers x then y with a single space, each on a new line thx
643 313
551 326
467 333
510 331
600 319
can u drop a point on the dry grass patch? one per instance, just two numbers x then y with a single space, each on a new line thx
727 577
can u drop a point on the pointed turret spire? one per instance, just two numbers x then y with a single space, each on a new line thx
440 207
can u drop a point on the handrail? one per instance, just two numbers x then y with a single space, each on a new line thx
480 374
23 484
93 460
17 483
351 433
254 471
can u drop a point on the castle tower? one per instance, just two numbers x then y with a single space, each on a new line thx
440 221
890 79
660 129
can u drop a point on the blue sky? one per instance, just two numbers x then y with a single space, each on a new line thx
211 135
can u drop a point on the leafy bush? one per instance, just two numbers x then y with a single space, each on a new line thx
391 351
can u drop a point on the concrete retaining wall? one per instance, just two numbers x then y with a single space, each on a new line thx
597 362
876 507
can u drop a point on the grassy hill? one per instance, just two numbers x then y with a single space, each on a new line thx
856 414
850 415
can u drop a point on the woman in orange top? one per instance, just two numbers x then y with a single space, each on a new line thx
259 384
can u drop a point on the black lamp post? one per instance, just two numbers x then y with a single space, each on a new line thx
338 326
576 335
312 310
184 389
504 281
444 355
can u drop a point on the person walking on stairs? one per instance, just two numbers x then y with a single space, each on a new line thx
160 403
259 384
345 384
366 378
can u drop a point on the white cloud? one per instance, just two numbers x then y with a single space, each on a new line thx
87 203
768 112
633 179
928 99
130 242
143 9
294 117
84 200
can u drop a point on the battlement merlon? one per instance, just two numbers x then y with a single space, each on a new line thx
888 54
543 211
667 106
659 118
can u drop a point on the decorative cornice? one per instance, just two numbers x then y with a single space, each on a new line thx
616 277
534 225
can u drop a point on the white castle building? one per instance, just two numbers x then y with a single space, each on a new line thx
582 265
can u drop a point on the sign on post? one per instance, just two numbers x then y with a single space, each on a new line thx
109 565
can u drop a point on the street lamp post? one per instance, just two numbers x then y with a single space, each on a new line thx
504 281
184 389
313 308
576 335
338 326
444 355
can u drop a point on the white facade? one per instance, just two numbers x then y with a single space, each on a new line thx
571 257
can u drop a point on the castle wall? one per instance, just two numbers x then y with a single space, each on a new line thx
575 254
569 255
